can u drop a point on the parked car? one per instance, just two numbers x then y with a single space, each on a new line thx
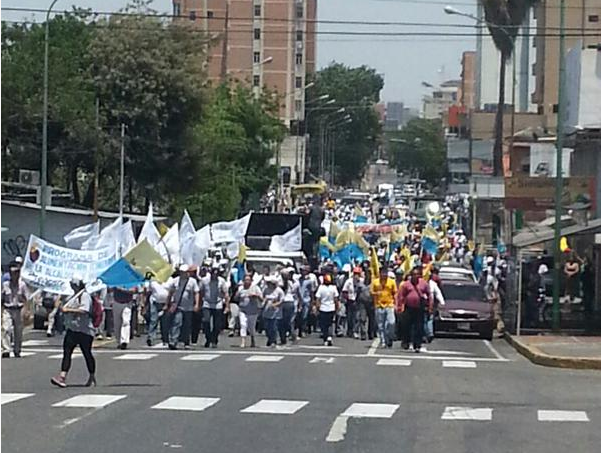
466 309
455 271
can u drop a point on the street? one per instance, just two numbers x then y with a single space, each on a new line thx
458 395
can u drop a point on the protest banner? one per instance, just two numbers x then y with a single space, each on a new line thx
50 267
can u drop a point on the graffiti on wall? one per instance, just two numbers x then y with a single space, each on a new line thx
14 247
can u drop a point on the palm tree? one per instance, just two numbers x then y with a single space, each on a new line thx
504 18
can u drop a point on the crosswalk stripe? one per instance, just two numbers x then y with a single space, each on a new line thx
6 398
322 360
394 362
562 416
200 357
458 364
266 406
90 400
264 358
76 355
135 357
370 410
467 413
186 403
34 343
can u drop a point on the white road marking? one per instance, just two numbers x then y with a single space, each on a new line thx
443 352
264 358
374 346
135 356
34 343
458 364
492 349
562 416
369 410
186 403
76 355
286 407
322 360
200 357
6 398
308 346
159 346
467 413
27 354
338 429
101 351
394 362
91 401
71 421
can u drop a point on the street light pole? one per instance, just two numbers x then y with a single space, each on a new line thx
44 182
558 166
122 171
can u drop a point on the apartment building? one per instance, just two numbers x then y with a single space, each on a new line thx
270 44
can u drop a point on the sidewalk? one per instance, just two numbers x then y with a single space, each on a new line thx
559 351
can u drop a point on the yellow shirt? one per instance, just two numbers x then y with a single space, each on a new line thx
383 295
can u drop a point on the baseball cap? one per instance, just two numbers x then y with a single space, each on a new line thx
184 268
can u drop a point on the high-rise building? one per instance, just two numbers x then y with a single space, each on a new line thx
268 43
583 29
468 73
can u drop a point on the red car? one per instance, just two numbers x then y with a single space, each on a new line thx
466 309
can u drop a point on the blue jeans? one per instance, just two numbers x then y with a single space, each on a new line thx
176 326
386 321
303 317
152 318
286 323
270 330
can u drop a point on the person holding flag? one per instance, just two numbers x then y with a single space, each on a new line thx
383 291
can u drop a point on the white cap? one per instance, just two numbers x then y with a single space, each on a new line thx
271 279
543 269
184 268
18 259
489 259
346 268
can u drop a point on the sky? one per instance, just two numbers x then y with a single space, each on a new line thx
404 61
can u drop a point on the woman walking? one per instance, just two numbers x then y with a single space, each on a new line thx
249 299
273 297
80 332
327 305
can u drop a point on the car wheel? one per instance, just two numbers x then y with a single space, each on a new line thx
487 333
38 322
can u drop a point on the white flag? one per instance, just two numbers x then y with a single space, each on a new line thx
108 237
149 230
186 238
126 238
168 246
233 231
201 244
76 237
291 241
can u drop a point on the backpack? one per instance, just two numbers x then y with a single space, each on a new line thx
97 310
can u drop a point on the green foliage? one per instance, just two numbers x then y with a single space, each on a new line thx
356 89
420 147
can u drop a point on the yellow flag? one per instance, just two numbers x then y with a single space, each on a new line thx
163 229
407 262
242 253
471 245
563 244
143 258
334 230
324 241
374 264
427 271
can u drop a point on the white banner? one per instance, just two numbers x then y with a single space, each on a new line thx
76 237
149 231
50 267
168 246
291 241
233 231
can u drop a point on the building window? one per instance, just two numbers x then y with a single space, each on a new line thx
299 35
299 58
257 10
593 18
210 14
256 80
298 83
299 11
177 9
298 105
555 108
257 57
257 33
192 15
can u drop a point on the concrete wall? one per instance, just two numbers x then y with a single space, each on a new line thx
483 124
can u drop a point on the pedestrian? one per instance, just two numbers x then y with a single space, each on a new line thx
413 300
203 276
183 299
327 304
156 298
383 291
249 299
349 298
77 312
215 303
288 308
122 315
14 296
437 301
364 304
305 291
273 296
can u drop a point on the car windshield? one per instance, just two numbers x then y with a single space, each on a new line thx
470 293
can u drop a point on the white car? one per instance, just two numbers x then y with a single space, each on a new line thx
454 271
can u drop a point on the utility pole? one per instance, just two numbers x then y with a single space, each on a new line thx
558 166
96 160
122 171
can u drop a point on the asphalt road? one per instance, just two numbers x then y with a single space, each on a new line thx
460 395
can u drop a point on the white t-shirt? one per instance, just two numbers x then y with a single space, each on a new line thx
326 294
349 288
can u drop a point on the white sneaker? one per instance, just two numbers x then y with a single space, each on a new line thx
329 342
356 336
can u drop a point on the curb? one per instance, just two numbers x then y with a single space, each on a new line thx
538 357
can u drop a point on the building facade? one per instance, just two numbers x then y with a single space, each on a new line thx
270 44
468 79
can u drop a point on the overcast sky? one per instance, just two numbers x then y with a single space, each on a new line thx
404 61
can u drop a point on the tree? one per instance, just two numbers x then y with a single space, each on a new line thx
357 90
504 18
420 147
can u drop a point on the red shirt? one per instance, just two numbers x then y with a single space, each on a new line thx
410 295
